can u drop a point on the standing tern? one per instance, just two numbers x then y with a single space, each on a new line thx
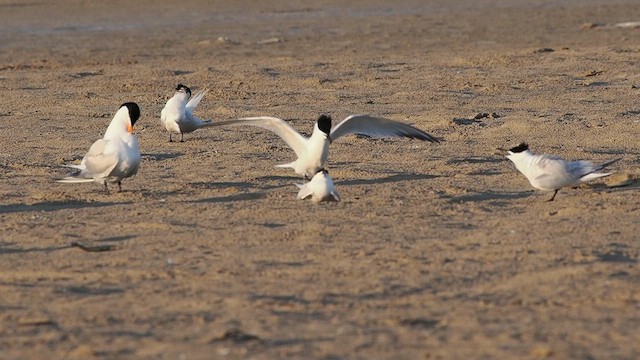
177 115
313 152
319 189
114 157
551 173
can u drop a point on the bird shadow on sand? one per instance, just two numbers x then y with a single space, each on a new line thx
491 196
57 205
619 152
117 238
282 180
477 160
10 248
221 185
232 198
161 156
634 186
389 179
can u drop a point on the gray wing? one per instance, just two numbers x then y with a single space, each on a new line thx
580 168
293 138
556 172
195 100
377 127
99 160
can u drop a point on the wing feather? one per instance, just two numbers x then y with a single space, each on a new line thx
377 127
280 127
195 100
100 160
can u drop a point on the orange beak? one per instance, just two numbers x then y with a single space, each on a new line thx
130 128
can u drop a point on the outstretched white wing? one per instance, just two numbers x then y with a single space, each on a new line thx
280 127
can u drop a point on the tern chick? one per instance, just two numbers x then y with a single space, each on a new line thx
319 189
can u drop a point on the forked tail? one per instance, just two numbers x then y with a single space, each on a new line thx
595 175
604 165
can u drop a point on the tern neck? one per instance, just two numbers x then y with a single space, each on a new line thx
119 125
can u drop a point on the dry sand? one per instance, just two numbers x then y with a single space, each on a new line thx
437 251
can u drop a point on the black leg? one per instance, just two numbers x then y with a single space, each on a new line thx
106 188
170 140
119 186
181 137
554 195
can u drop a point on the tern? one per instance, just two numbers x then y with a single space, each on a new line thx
313 152
177 115
319 189
551 173
114 157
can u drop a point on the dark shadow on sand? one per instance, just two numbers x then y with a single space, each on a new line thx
57 205
278 178
489 196
616 256
117 238
10 248
477 160
388 179
232 198
221 185
161 156
89 291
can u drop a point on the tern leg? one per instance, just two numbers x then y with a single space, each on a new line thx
181 137
554 195
106 188
170 140
119 186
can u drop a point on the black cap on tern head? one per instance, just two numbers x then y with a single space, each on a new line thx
185 88
520 148
324 124
134 111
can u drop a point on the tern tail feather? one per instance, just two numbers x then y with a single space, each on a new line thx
71 180
287 165
605 164
593 176
74 166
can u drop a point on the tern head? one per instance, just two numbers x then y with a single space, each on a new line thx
324 124
321 173
183 89
516 152
520 148
134 114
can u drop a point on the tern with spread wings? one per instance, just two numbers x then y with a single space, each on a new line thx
313 151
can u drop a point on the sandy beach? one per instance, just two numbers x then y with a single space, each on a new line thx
436 251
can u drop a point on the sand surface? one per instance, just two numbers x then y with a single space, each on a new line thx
437 251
